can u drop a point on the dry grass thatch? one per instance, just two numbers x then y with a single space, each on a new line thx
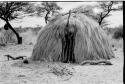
91 42
7 36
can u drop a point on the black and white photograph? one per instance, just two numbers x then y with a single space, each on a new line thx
61 42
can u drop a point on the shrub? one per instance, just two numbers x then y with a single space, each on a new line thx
118 33
7 36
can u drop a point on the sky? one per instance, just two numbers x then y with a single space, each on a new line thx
115 20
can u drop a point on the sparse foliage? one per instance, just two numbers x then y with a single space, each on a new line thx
10 10
87 10
47 8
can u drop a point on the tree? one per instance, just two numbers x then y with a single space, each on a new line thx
47 7
107 8
10 11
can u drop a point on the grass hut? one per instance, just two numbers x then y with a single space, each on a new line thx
72 39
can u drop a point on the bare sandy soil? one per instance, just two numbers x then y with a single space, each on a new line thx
15 72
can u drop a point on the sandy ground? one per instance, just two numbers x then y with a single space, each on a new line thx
14 72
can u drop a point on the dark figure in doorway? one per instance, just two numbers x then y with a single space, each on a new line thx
68 44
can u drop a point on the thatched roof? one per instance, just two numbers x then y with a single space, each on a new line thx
91 42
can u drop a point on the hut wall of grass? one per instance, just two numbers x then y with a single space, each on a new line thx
90 41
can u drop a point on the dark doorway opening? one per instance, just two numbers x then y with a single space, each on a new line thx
68 44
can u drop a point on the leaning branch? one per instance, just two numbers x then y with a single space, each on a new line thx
2 18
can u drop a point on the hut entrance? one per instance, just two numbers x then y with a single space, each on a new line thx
68 44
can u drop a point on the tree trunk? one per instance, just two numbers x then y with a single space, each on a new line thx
100 22
19 39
